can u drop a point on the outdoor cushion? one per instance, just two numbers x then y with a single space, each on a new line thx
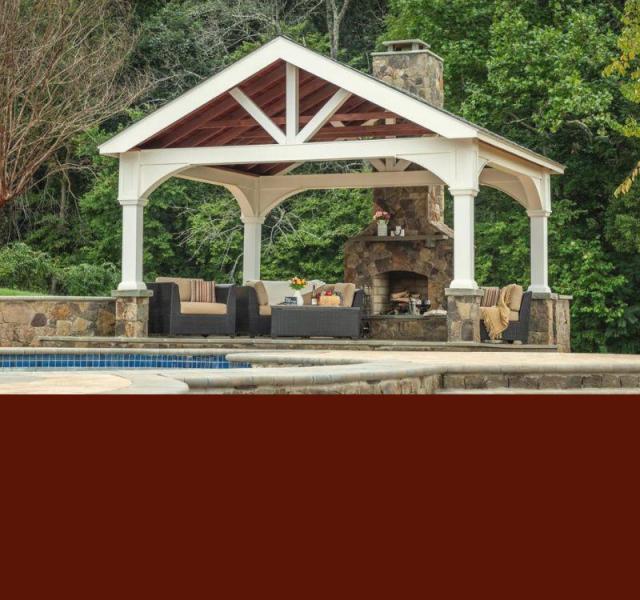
514 315
264 310
203 291
184 286
203 308
347 291
261 292
516 297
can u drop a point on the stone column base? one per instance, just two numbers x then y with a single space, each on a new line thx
132 313
550 321
463 315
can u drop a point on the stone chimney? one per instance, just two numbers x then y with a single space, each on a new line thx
411 66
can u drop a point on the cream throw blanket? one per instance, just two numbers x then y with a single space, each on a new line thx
496 318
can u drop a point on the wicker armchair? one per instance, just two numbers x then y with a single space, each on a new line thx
251 319
518 329
166 316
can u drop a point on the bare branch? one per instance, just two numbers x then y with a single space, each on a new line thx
61 72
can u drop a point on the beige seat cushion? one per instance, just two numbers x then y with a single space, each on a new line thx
184 286
203 308
264 310
516 298
514 315
347 291
261 292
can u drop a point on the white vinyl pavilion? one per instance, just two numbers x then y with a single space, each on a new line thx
250 125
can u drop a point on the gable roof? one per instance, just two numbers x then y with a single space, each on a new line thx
401 102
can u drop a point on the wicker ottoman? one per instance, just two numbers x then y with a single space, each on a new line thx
315 321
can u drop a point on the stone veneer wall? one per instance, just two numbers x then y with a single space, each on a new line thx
23 319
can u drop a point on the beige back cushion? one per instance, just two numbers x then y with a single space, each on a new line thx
516 297
261 292
184 286
347 290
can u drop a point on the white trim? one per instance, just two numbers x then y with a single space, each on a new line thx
413 148
323 115
342 76
283 49
256 112
193 99
292 102
410 148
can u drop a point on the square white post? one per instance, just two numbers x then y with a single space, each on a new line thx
252 247
463 240
132 244
539 251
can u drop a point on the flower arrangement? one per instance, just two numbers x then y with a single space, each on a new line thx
381 215
297 283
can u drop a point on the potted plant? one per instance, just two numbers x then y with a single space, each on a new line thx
297 284
382 217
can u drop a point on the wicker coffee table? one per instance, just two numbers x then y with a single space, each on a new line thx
315 321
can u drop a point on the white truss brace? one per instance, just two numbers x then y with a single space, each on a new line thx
323 115
256 112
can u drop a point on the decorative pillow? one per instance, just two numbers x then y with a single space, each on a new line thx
203 291
491 295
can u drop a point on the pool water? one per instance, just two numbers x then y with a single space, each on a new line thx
107 360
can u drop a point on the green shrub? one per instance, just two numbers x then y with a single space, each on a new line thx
88 280
22 267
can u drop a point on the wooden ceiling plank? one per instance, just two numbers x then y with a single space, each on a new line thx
209 113
219 140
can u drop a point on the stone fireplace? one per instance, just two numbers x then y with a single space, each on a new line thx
421 262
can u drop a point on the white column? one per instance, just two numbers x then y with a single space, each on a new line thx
132 238
539 251
252 247
463 239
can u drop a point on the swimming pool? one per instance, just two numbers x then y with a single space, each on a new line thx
116 360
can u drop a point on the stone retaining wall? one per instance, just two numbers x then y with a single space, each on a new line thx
24 319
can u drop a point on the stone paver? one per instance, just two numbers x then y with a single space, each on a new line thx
60 382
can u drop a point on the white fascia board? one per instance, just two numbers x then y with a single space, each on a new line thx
310 151
193 99
528 155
